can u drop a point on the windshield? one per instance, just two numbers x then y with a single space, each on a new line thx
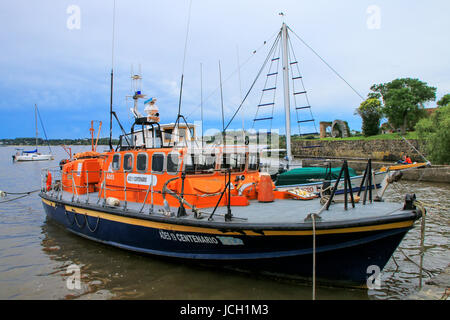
200 163
234 161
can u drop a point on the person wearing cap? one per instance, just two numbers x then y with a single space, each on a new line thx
152 110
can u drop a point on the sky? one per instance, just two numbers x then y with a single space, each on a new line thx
58 54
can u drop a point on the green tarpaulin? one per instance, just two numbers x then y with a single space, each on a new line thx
308 175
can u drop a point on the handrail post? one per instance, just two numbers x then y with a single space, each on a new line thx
42 180
370 180
363 180
182 210
146 194
345 184
87 186
125 190
104 188
151 210
228 216
74 187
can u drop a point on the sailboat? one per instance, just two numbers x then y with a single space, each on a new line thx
33 155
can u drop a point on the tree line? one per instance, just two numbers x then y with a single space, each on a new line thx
53 142
402 103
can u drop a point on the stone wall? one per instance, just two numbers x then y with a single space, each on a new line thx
434 173
379 150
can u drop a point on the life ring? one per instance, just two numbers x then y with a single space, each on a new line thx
49 181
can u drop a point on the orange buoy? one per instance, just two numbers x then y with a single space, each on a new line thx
265 188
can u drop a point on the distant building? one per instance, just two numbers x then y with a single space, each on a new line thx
430 111
386 128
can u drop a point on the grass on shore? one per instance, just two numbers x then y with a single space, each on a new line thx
388 136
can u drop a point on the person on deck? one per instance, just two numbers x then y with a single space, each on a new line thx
405 160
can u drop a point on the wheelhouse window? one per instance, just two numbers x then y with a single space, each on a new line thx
253 162
168 134
141 162
192 131
173 162
234 161
200 163
158 162
116 162
128 162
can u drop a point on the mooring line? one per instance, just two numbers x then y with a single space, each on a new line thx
3 194
314 256
87 223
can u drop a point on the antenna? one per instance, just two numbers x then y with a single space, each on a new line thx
221 99
112 78
177 123
201 98
35 119
240 89
136 87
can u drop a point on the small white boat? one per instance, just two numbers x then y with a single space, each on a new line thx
34 155
31 156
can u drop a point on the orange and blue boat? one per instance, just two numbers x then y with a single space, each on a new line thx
216 207
212 205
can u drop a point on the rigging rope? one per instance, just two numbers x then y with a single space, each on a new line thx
43 128
351 87
256 79
233 73
327 64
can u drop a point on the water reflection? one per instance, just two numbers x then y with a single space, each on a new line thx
118 274
399 282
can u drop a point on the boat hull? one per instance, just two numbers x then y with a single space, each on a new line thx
343 253
34 157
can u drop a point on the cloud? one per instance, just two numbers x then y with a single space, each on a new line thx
67 71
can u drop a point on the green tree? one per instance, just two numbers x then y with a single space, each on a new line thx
403 101
434 131
370 112
445 100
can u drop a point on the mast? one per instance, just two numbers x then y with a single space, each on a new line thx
35 118
287 105
112 78
201 98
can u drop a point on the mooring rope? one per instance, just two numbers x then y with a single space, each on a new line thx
3 194
422 243
76 221
68 219
314 257
87 223
430 274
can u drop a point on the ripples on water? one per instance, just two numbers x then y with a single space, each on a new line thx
35 254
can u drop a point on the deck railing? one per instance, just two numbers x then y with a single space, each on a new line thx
57 186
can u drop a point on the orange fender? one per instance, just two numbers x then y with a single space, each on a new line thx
49 181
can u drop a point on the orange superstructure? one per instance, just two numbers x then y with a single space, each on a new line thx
170 174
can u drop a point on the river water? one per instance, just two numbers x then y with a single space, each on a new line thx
35 255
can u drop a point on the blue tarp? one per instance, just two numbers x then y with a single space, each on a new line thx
33 151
